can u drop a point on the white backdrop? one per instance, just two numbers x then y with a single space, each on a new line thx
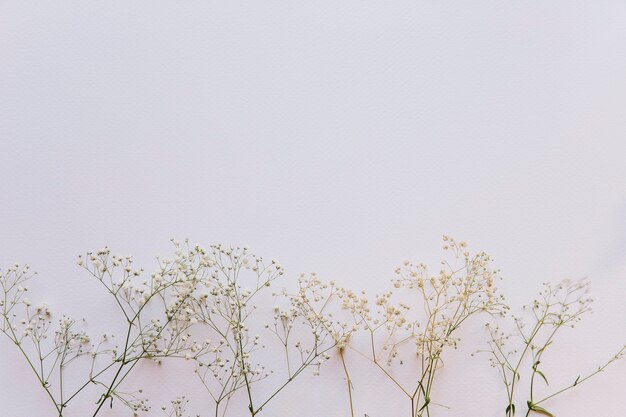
340 137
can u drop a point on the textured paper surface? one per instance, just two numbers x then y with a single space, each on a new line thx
340 137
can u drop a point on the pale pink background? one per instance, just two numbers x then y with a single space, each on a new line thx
338 136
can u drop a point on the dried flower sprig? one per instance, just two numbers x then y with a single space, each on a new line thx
105 367
234 281
464 286
177 407
556 308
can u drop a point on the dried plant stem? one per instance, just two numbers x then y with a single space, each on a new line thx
576 383
348 380
42 382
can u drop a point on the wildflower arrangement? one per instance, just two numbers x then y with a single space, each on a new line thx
214 307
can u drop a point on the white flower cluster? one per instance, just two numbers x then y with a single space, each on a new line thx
176 408
149 335
420 316
232 281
